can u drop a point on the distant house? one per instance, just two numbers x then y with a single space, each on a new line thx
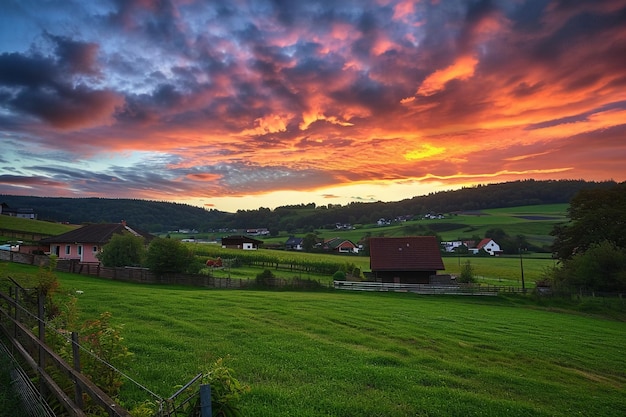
488 245
453 246
24 213
408 260
257 232
340 245
294 243
85 242
241 242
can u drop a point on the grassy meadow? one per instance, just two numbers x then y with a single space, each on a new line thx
336 353
489 270
31 226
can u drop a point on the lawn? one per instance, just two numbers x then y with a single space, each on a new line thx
341 353
33 226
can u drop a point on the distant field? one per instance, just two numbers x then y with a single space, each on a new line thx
534 222
32 226
500 271
370 354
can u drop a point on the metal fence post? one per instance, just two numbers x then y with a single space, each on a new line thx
205 401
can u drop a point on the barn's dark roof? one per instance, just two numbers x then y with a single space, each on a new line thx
417 253
233 240
94 233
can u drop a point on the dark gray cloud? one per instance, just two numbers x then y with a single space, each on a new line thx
253 96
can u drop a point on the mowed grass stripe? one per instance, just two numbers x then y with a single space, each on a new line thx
373 354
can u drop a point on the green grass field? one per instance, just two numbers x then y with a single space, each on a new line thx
340 353
32 226
500 271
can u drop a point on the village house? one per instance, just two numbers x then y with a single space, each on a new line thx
453 246
488 245
23 213
241 242
258 232
294 243
340 245
406 260
86 242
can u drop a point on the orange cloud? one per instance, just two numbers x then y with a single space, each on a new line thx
462 69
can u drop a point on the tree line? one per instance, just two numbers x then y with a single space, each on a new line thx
157 216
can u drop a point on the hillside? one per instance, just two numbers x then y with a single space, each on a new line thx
156 216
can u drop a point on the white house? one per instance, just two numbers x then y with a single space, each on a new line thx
489 245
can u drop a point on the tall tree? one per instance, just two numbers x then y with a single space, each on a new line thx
596 215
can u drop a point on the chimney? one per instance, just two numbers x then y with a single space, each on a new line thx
123 223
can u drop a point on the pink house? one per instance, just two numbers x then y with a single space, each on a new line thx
87 241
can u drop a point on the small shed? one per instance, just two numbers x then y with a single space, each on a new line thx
407 260
241 242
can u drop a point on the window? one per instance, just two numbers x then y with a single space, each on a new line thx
68 249
95 249
80 250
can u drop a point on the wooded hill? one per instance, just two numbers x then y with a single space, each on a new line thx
156 216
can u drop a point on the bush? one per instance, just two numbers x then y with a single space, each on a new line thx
225 390
167 255
467 273
265 278
339 276
123 250
602 267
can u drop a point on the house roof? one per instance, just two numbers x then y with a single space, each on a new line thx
336 242
413 253
94 233
294 240
482 243
230 240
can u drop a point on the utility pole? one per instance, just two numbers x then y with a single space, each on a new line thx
521 265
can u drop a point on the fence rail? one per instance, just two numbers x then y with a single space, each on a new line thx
39 356
423 288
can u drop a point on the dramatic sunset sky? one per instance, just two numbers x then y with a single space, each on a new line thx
244 104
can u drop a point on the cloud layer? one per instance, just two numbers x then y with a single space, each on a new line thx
203 101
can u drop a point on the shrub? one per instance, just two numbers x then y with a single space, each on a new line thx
339 276
123 250
167 255
467 273
225 390
265 278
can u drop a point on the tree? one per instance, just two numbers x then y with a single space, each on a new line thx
309 241
602 267
168 255
595 215
592 247
123 250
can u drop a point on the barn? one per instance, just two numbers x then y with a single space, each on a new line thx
406 260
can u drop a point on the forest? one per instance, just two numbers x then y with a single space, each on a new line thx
158 216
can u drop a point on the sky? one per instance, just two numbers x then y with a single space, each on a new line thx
241 104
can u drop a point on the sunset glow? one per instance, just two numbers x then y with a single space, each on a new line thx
248 104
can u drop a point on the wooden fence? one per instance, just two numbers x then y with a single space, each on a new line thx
44 362
22 235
